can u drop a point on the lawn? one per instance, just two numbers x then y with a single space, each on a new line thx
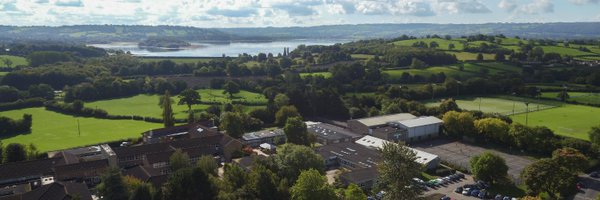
565 51
3 73
581 97
177 60
53 131
570 120
362 56
324 74
147 105
469 70
16 60
494 105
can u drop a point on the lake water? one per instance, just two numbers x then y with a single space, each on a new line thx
217 49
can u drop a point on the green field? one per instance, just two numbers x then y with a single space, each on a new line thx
177 60
16 60
469 70
442 42
470 56
3 73
570 120
324 74
564 51
147 105
362 56
494 105
581 97
53 131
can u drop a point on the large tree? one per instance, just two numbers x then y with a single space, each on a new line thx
353 192
284 113
545 175
489 167
232 123
234 183
143 191
208 165
281 100
312 185
179 160
493 128
112 186
165 103
397 171
190 183
189 97
231 88
296 132
264 184
14 152
291 159
459 124
571 159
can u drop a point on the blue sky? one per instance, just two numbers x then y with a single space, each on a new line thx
260 13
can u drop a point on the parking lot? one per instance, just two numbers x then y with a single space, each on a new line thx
448 189
459 153
590 191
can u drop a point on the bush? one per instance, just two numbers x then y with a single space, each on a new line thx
27 103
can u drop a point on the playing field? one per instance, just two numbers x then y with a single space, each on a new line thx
147 105
53 131
570 120
495 105
16 60
581 97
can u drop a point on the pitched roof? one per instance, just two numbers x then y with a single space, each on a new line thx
192 152
383 119
55 191
82 166
25 170
142 149
148 174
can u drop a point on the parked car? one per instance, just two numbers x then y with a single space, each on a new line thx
445 198
482 184
498 197
595 175
460 175
475 193
580 185
482 194
466 191
441 181
458 190
506 198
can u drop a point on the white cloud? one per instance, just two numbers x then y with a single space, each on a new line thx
532 8
69 3
461 6
584 2
508 5
398 7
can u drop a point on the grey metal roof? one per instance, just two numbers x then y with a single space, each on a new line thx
423 121
380 120
262 134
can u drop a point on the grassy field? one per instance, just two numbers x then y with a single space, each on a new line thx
147 105
53 131
464 56
570 120
362 56
324 74
494 105
581 97
177 60
564 51
442 42
3 73
16 60
469 70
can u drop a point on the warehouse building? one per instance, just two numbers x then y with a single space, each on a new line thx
419 128
428 160
330 134
397 127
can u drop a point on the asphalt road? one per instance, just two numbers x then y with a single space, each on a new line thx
591 191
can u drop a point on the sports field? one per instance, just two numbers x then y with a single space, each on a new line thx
147 105
495 105
581 97
569 120
53 131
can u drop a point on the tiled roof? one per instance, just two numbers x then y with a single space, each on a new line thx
55 191
28 169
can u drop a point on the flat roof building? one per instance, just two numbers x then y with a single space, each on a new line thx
328 133
254 139
430 161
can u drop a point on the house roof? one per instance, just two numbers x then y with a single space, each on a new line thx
148 174
142 149
383 119
422 121
55 191
82 166
360 175
25 170
330 132
353 152
262 134
194 130
193 152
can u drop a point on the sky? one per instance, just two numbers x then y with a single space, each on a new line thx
281 13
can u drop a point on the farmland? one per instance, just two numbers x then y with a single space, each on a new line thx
580 97
53 131
178 60
16 60
469 70
569 120
147 105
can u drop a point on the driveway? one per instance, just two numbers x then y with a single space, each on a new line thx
591 191
459 153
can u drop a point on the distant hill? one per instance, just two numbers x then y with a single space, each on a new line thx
109 33
137 33
364 31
